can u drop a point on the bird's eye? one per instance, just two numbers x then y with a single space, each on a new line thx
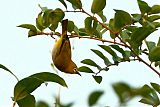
75 70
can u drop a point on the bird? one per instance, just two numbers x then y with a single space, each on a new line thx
61 53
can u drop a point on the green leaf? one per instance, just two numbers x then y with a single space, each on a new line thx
149 96
39 22
116 47
156 87
98 5
94 97
147 101
112 27
56 15
53 26
28 101
47 18
125 35
100 54
102 16
154 54
43 8
31 33
70 26
150 45
28 26
137 36
98 79
111 52
155 9
64 4
121 19
123 91
50 77
85 69
6 69
90 62
76 4
137 17
88 25
26 86
41 104
153 18
76 30
143 6
158 44
97 33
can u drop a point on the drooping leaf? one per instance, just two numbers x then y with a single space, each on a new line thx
123 91
76 30
116 47
88 25
90 62
143 6
156 87
28 26
154 54
137 36
113 28
98 5
31 33
6 69
153 18
39 22
56 15
43 8
98 79
47 17
111 52
50 77
125 35
146 101
150 97
41 104
158 44
70 26
102 16
28 101
76 4
150 45
85 69
53 26
100 54
94 97
155 9
64 4
121 19
136 17
27 85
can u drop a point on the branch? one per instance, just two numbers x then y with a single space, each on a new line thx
140 59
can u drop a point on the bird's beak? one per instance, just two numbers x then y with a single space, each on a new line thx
78 73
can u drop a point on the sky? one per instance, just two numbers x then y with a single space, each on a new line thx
26 56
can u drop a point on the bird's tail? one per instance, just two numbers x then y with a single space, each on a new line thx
64 29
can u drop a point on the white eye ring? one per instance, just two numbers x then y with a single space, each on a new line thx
75 70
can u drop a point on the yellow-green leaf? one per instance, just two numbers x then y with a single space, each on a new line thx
154 55
94 97
98 5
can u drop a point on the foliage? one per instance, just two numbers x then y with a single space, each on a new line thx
128 42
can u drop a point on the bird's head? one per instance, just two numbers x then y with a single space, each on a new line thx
72 68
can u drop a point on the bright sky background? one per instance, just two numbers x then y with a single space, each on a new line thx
26 56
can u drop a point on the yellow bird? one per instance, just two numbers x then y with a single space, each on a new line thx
61 53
